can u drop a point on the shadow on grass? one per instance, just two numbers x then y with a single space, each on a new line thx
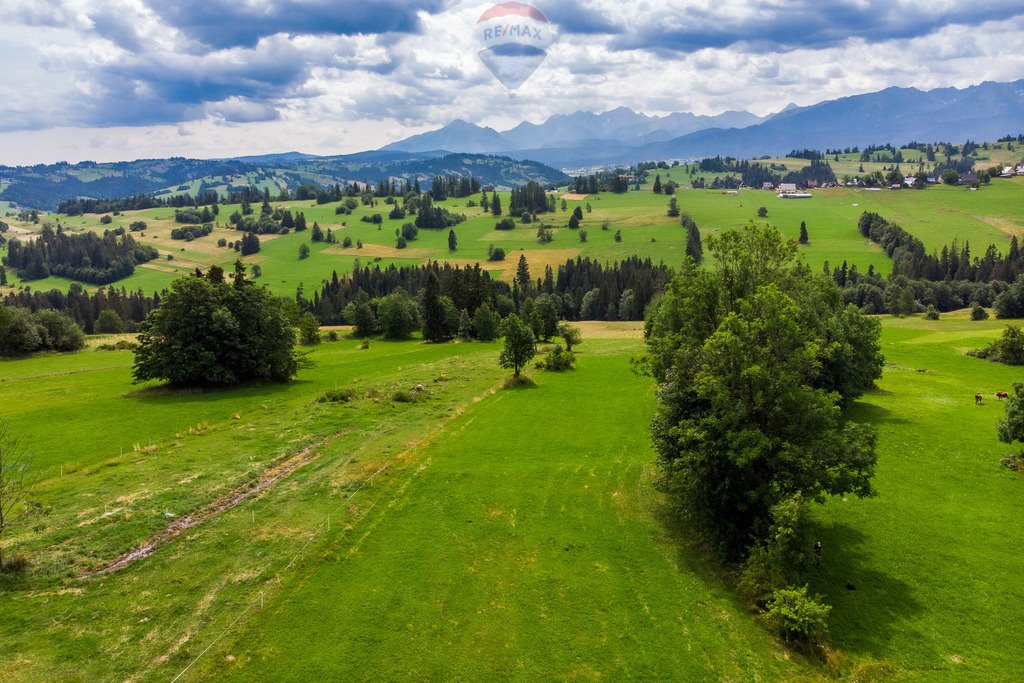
873 414
869 606
169 393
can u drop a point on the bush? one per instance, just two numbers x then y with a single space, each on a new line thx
332 336
797 616
336 396
557 360
122 345
495 254
505 224
1008 349
23 332
931 313
978 313
762 212
406 396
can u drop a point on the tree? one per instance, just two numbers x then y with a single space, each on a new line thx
755 361
803 233
207 333
495 204
577 214
108 322
250 244
523 274
360 314
617 236
453 241
694 247
309 329
583 235
398 315
15 479
978 312
317 233
950 177
437 325
486 322
544 317
762 212
1011 427
657 184
574 222
303 251
3 276
673 208
570 334
519 347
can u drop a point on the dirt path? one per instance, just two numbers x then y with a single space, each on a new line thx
264 481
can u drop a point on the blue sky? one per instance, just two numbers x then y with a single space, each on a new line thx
116 79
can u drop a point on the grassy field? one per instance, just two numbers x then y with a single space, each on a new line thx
937 215
484 533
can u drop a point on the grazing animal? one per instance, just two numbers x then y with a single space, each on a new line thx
418 389
1001 395
977 399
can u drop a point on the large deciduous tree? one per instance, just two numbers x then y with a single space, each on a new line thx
215 333
755 361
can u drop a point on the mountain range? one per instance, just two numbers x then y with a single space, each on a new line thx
899 115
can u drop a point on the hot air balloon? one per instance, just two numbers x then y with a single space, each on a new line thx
515 38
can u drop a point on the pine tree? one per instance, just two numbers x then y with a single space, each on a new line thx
495 204
694 248
317 235
485 202
523 274
435 328
657 184
453 242
803 232
3 276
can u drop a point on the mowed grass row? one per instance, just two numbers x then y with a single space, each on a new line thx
528 544
938 216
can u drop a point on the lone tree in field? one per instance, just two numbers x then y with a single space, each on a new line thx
762 212
453 241
803 232
216 333
570 334
15 480
657 184
520 346
756 360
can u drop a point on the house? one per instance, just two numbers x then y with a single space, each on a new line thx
909 181
1008 172
786 188
1020 170
968 178
768 186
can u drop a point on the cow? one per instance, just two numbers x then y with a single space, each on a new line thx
1002 395
977 399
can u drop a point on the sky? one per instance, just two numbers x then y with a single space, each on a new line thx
112 80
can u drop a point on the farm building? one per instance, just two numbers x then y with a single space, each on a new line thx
787 188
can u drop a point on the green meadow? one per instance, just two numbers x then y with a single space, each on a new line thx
938 216
483 533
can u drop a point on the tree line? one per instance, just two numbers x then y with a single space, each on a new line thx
580 289
84 308
86 257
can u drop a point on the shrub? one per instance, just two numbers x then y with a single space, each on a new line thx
1008 349
797 616
978 312
505 224
618 236
106 220
762 212
931 313
406 396
495 254
336 396
557 360
332 336
122 345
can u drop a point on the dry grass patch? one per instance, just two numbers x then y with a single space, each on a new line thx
537 258
600 329
570 197
374 250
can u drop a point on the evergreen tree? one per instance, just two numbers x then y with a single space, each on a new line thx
694 248
435 327
657 184
803 232
523 275
495 204
317 235
485 322
3 276
453 242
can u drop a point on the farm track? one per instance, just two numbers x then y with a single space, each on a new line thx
268 478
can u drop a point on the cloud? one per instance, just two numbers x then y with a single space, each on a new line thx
284 67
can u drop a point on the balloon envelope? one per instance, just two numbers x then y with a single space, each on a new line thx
514 38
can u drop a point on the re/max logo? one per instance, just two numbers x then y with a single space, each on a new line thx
512 30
